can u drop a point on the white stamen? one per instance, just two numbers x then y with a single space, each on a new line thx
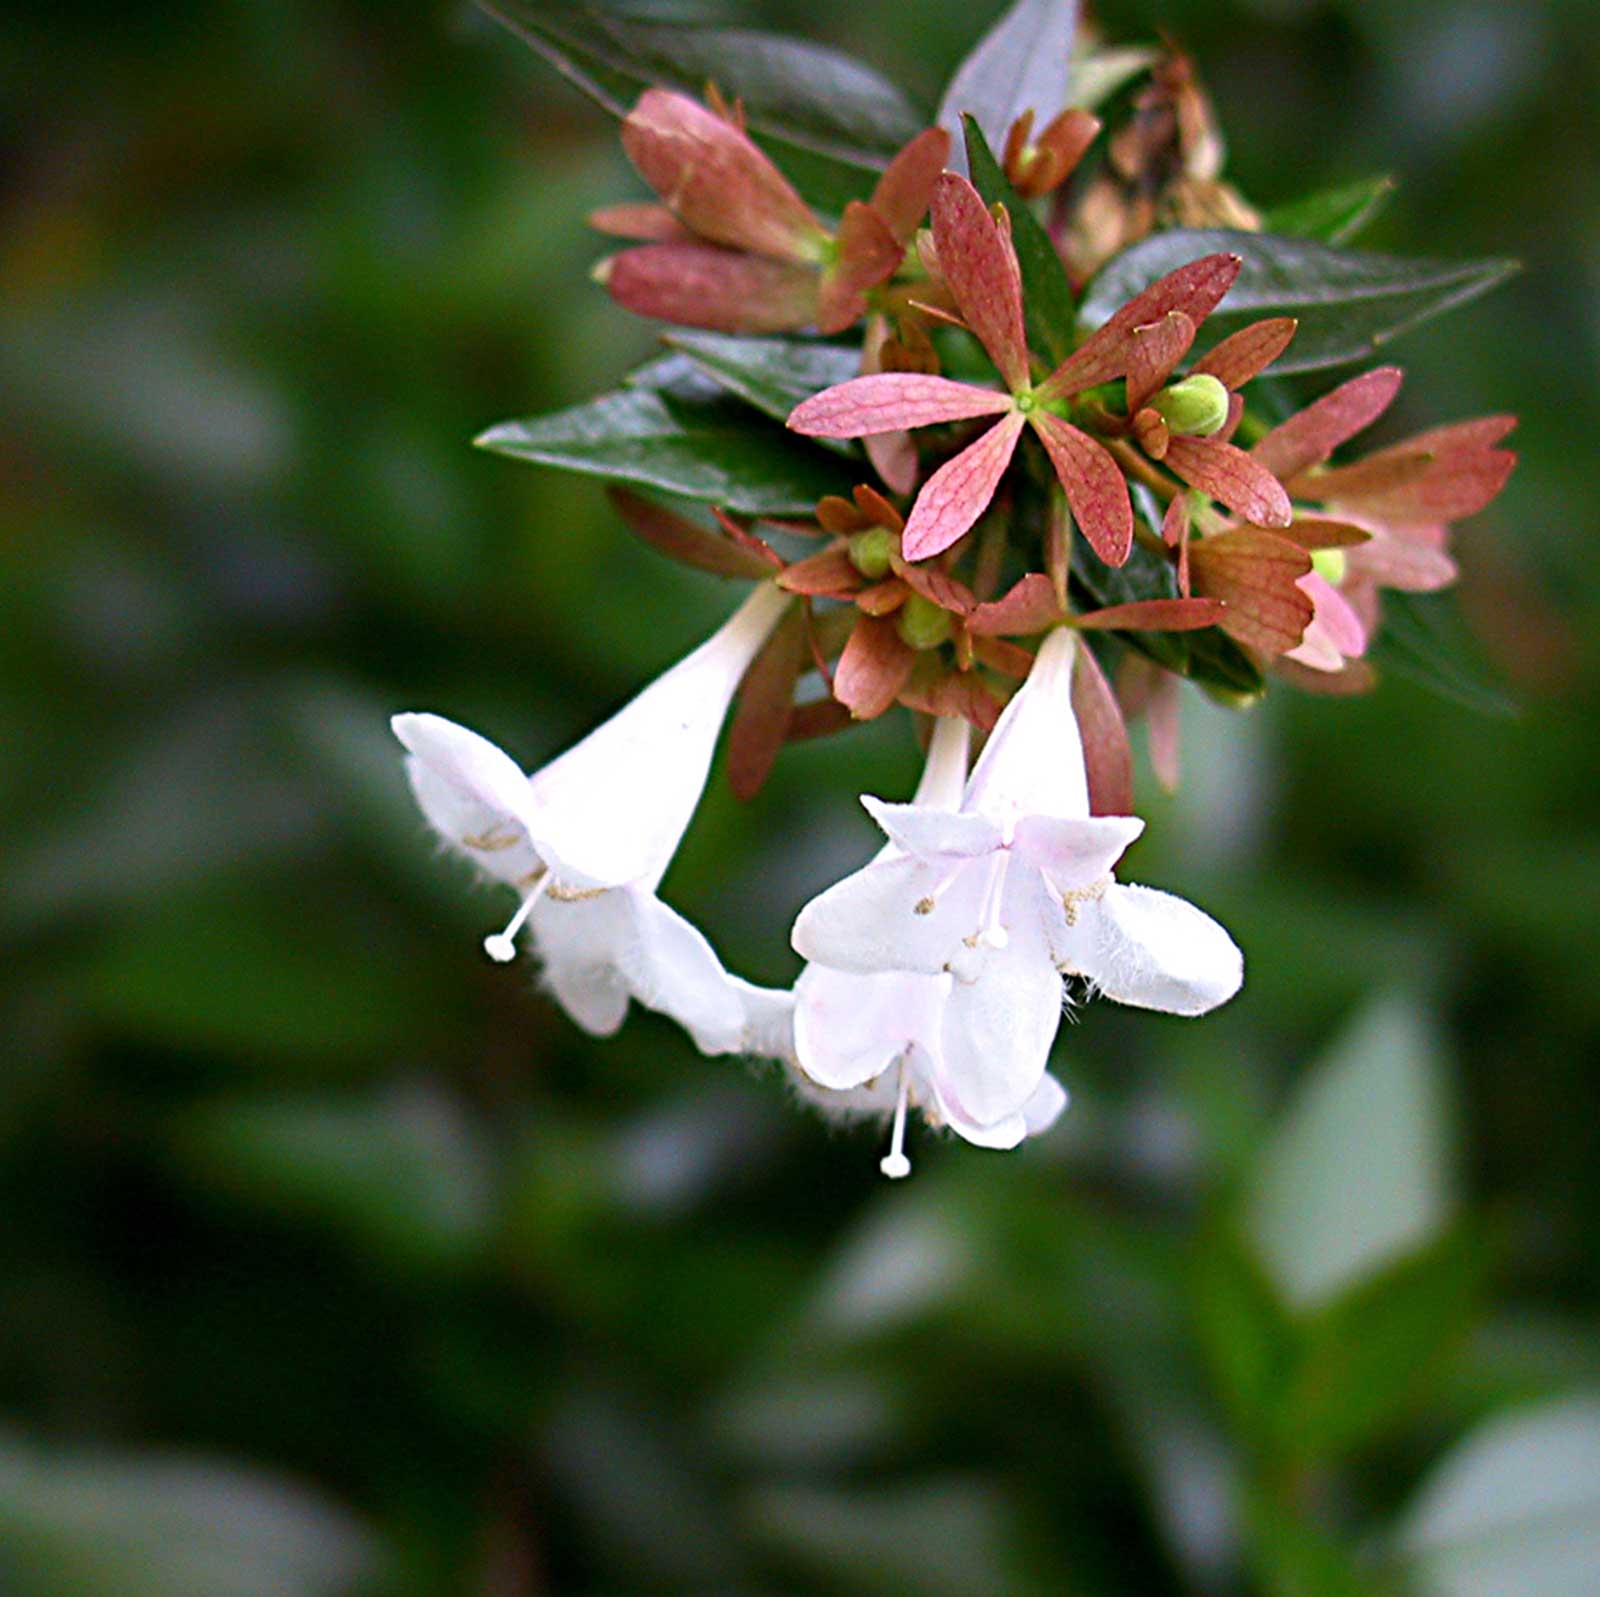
990 932
502 946
930 901
894 1164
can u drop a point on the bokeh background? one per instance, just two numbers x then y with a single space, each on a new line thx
333 1259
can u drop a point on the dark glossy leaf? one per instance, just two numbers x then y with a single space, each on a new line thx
1424 637
1023 63
1336 215
831 121
773 374
1046 294
1350 303
1370 1355
712 450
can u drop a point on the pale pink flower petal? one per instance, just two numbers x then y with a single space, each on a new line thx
1074 852
1333 616
1144 947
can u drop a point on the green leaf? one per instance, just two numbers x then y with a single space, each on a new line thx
1424 637
1357 1173
773 374
1023 63
709 449
1292 1557
1372 1354
1243 1328
1513 1511
1350 303
1046 294
1334 215
832 121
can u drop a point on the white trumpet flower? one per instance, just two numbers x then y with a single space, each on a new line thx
587 839
873 1043
1004 895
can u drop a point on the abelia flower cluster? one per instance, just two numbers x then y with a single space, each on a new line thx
1041 536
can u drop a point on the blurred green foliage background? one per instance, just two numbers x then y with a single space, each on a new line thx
333 1259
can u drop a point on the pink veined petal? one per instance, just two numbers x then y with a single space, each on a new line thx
886 402
903 192
1333 615
981 268
1195 289
1107 754
875 664
700 285
1094 484
1228 474
1245 354
1453 486
1029 606
959 491
1154 351
1308 438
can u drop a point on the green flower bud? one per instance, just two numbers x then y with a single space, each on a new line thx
921 623
1329 564
870 551
1194 408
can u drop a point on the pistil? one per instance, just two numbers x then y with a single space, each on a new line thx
502 946
894 1164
